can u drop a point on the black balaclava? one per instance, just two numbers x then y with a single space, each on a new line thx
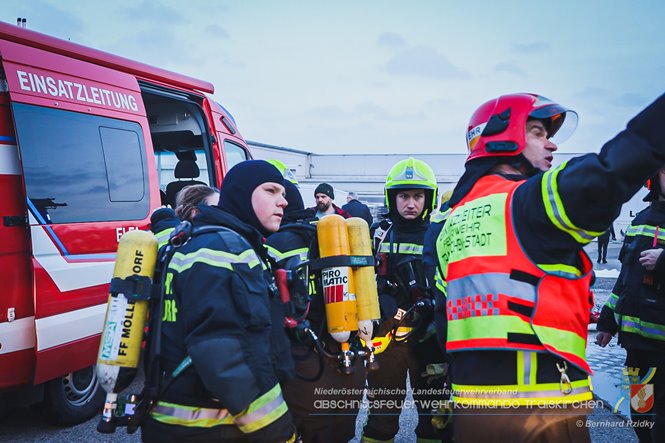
235 195
296 210
294 198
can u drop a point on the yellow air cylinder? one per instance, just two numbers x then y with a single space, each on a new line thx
338 289
120 345
364 280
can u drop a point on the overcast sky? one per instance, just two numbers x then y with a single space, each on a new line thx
383 76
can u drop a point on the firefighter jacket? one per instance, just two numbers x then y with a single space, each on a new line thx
401 281
162 223
636 306
217 311
546 220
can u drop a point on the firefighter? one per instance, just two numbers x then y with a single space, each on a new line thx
405 338
513 271
636 310
319 382
221 358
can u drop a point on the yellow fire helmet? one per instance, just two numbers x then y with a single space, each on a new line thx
412 173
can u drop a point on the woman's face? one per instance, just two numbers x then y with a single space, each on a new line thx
268 203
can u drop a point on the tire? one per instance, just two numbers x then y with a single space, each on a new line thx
73 399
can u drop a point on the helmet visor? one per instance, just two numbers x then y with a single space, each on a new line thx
562 122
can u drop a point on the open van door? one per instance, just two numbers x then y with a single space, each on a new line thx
80 131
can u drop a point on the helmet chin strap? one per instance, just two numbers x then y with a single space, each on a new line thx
520 163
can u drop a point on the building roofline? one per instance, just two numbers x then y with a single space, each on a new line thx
278 148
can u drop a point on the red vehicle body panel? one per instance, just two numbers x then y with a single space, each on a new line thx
55 276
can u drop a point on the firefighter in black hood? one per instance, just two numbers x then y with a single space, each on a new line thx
317 370
222 322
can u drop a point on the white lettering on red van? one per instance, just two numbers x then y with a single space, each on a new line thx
119 232
64 89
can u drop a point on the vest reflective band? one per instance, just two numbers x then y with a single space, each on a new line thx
641 327
174 414
497 298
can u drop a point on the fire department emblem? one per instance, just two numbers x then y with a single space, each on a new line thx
641 397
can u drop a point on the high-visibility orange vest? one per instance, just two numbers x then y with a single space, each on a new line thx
497 297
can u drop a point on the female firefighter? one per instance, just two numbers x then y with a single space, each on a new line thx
406 339
222 359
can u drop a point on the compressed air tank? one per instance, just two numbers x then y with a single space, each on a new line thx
126 316
337 281
364 279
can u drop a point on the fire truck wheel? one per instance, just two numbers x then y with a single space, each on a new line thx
74 398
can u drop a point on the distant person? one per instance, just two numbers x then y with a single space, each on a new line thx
636 310
357 209
324 194
603 242
192 196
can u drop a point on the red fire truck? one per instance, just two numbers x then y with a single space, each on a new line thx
90 144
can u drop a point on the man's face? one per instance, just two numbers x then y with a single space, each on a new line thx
268 203
323 202
410 203
539 151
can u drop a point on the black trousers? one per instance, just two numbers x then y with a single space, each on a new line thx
325 410
602 249
387 390
153 431
649 425
521 424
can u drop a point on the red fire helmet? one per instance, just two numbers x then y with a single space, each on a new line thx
498 127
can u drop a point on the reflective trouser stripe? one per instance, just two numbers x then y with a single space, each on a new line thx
521 395
262 411
174 414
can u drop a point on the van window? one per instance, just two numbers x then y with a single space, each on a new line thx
234 153
81 168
